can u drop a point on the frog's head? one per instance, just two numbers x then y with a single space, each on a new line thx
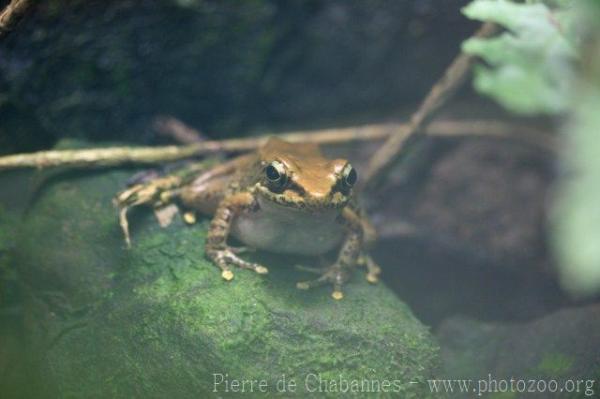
298 176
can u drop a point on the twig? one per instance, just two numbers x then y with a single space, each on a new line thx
99 157
177 130
440 93
11 15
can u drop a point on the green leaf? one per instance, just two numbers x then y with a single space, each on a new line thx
530 66
534 67
576 237
576 211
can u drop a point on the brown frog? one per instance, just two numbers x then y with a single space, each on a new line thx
284 198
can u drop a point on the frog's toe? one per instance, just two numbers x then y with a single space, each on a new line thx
315 270
241 250
227 275
334 275
189 218
373 269
337 295
305 285
124 222
225 258
242 264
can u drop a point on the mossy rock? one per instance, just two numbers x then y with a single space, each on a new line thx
158 320
560 350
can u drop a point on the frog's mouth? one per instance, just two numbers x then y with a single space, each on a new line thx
295 200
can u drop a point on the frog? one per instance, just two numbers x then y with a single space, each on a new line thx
285 198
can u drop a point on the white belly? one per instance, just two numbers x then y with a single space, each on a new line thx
276 228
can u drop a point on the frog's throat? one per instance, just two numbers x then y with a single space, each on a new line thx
337 200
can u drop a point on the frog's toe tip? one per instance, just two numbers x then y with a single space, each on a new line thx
302 286
189 217
261 270
337 295
227 275
372 278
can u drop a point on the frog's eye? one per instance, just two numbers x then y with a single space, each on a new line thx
275 173
349 176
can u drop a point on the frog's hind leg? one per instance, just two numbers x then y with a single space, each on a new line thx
158 192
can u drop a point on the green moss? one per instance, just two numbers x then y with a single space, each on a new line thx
57 241
159 321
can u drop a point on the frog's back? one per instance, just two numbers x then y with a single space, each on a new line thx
275 147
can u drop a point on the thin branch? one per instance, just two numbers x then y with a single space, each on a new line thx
454 77
99 157
12 14
177 130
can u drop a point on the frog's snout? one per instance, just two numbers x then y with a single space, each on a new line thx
330 199
320 195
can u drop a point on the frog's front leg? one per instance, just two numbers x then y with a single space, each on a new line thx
217 249
348 257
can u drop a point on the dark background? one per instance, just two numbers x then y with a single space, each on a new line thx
103 70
